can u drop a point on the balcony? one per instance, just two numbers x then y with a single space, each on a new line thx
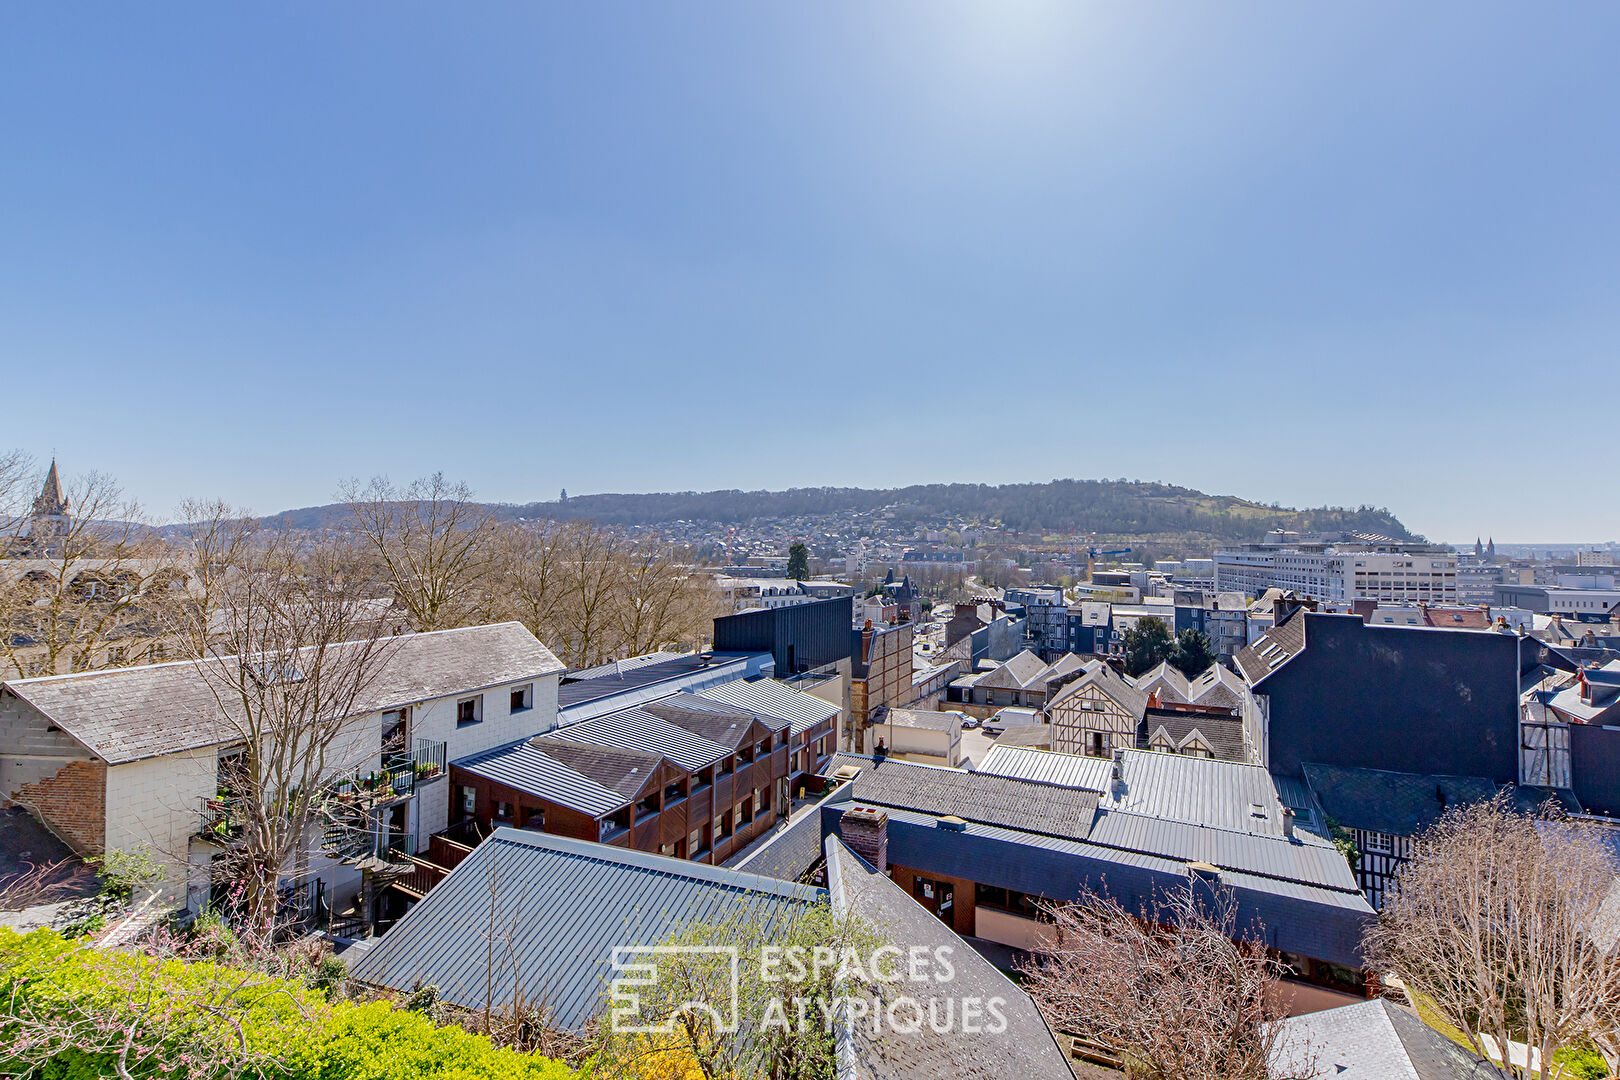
221 819
402 771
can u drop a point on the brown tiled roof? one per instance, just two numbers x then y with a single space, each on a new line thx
139 712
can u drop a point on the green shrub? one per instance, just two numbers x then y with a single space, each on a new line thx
1581 1062
203 1020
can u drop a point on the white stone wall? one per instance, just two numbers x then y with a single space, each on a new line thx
436 720
154 804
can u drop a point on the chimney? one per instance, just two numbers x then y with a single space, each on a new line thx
1119 766
866 642
1288 822
865 831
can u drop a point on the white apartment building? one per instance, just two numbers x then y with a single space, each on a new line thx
1330 574
744 594
139 758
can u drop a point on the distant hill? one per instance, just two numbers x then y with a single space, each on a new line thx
1105 507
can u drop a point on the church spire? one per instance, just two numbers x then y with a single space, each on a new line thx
51 501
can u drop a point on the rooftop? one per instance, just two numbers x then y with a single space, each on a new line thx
561 905
127 714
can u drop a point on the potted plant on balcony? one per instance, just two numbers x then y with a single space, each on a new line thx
426 769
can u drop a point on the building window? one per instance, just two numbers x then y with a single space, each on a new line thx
1097 745
467 803
469 710
1377 841
523 698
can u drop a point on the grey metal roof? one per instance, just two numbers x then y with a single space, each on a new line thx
1325 923
617 768
1028 763
619 668
637 729
695 703
559 906
924 719
769 697
1022 1047
526 767
131 713
1190 809
1373 1040
715 721
992 800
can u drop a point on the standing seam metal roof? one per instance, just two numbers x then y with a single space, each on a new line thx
526 767
637 729
557 908
767 696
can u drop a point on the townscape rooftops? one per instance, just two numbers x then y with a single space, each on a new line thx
126 714
562 906
605 681
1111 684
618 768
1023 1046
771 698
1193 809
991 800
1021 672
1223 735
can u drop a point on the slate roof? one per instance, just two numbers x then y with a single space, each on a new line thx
1020 673
1395 803
560 906
769 697
1168 681
1023 1047
1272 650
637 729
1116 687
991 800
1222 734
128 714
1374 1040
1217 687
790 854
1063 665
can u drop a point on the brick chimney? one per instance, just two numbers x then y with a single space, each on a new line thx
866 642
865 831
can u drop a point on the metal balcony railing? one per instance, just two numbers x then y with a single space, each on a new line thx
398 777
220 819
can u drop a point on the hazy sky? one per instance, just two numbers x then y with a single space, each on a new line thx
1313 254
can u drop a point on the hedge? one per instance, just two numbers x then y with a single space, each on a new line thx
288 1032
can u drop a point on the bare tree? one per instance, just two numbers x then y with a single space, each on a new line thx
661 601
530 581
211 545
592 574
1173 996
76 596
431 543
292 656
16 474
1504 923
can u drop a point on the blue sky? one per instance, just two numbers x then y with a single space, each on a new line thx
1360 254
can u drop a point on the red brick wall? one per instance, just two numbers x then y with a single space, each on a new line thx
72 803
